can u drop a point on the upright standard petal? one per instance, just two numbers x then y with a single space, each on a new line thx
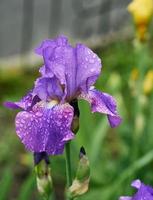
53 63
75 67
48 89
59 61
88 67
45 128
63 65
103 103
59 41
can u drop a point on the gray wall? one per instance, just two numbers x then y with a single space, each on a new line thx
24 23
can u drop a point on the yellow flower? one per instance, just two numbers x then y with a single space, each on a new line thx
148 82
134 74
142 11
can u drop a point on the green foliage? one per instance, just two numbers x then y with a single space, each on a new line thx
27 188
6 182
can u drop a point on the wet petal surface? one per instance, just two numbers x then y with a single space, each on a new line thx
48 88
75 67
145 192
25 103
136 184
88 67
45 128
103 103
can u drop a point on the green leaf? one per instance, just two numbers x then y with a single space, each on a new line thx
6 183
98 137
27 188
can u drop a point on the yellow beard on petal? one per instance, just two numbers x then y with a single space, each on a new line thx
49 104
52 103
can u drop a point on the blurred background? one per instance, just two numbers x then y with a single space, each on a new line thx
117 156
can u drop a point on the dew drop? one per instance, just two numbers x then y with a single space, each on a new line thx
39 114
89 51
91 61
92 70
58 123
22 121
60 116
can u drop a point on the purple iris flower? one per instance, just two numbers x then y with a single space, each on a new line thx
68 74
145 192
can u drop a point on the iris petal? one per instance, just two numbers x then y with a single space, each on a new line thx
48 88
136 184
75 67
45 128
125 198
143 192
103 103
62 64
88 67
25 103
53 62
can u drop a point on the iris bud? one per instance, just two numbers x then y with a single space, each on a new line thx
43 174
81 182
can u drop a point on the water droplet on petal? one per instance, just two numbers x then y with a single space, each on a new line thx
22 121
91 61
60 116
58 123
92 70
89 51
39 114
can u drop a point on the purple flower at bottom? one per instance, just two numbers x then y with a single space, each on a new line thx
68 74
145 192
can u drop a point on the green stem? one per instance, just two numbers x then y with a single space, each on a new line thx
141 55
68 166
